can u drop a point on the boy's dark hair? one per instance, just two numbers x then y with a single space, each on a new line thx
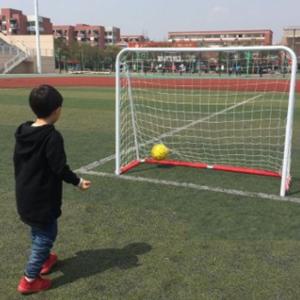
44 100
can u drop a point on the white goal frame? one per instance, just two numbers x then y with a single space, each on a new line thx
286 159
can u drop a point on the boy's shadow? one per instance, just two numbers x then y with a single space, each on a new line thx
89 262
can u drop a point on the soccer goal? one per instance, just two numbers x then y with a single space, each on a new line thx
228 109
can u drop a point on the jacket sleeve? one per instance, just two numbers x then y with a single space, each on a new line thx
57 160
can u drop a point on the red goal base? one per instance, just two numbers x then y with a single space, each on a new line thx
199 165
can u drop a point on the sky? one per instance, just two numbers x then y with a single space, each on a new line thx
155 18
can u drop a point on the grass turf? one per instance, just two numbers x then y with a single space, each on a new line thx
126 240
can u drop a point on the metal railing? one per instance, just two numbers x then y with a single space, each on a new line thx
14 61
19 53
8 50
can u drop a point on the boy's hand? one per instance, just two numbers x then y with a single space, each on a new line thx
84 184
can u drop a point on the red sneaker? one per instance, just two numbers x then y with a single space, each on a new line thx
37 285
48 264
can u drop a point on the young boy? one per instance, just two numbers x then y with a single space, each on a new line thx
40 168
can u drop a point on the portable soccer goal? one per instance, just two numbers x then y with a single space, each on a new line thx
228 109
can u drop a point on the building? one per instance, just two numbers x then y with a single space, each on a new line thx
14 22
112 35
224 38
126 40
133 38
24 54
291 38
18 43
93 35
45 25
179 44
65 32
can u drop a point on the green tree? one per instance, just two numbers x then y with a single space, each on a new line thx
89 57
61 53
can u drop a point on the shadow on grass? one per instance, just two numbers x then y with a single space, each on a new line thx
149 167
90 262
294 192
295 187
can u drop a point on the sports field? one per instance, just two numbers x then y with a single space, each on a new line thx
156 232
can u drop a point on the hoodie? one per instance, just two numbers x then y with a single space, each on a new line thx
40 167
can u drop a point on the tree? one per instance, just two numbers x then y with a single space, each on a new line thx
61 51
87 56
110 54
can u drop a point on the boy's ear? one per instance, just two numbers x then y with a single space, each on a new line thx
57 111
55 114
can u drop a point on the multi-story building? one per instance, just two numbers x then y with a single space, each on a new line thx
112 35
291 38
133 38
65 32
45 25
17 36
127 40
13 22
224 38
93 35
147 43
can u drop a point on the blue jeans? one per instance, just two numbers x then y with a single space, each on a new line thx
42 242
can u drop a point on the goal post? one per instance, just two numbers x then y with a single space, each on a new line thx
228 109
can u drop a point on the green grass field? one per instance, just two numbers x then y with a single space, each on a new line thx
124 239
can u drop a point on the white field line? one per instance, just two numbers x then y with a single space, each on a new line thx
204 119
193 186
100 162
176 130
88 168
96 163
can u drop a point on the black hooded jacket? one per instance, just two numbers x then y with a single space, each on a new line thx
40 167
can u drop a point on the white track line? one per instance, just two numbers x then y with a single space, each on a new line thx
176 130
192 186
88 168
96 163
205 118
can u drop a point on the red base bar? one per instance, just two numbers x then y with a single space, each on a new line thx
245 170
201 166
130 166
213 167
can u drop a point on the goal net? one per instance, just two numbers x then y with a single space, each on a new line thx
227 109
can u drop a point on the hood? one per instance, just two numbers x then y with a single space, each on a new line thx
29 138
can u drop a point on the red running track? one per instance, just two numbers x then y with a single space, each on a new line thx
30 82
207 83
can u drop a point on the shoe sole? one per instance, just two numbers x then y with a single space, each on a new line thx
26 292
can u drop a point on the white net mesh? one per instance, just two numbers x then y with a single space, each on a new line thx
227 108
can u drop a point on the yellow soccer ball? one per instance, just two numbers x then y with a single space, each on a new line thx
159 151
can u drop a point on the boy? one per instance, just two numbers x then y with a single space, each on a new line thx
40 168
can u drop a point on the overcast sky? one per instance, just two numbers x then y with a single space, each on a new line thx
156 17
